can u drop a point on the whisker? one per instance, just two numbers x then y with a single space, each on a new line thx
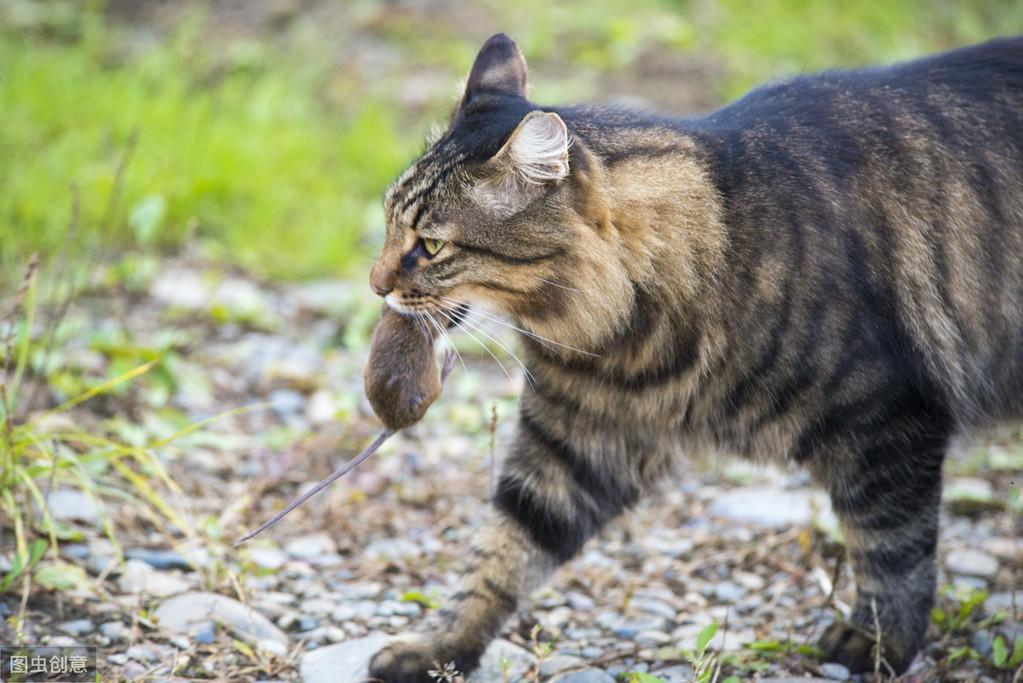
479 328
443 333
501 321
552 283
482 345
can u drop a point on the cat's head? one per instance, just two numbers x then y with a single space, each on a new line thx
493 211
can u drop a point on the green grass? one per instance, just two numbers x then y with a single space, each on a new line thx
269 155
238 151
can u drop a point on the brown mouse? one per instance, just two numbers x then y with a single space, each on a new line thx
401 376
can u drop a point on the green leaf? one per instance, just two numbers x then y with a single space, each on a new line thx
147 218
765 646
732 679
640 677
705 636
999 652
35 551
61 576
420 598
1017 653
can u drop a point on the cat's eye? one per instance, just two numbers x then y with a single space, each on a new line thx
432 246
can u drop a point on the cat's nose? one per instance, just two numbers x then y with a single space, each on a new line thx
382 278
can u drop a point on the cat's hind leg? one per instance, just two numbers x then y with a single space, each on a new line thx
887 498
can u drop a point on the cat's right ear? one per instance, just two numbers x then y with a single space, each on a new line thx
499 69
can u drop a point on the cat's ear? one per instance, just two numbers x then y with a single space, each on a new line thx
537 151
534 157
499 69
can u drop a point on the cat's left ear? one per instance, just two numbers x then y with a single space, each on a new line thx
534 157
499 69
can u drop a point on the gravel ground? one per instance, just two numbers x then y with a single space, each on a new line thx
751 549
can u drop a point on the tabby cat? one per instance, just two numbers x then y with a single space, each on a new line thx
826 272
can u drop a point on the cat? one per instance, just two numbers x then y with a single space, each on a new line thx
827 272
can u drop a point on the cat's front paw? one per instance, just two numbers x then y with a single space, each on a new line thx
405 661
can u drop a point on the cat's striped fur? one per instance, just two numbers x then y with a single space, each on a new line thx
828 271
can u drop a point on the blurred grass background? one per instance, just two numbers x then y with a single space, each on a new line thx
262 134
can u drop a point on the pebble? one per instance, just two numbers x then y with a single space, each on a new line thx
971 562
557 663
579 601
114 630
311 547
158 559
393 548
682 673
271 646
970 496
286 402
77 627
655 607
728 592
584 676
141 653
651 638
318 606
181 613
267 558
62 641
981 641
629 628
1001 601
71 505
835 672
770 506
140 577
348 661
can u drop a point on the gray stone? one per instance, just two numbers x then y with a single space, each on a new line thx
78 627
71 505
140 577
770 506
114 630
652 638
311 546
142 653
835 672
579 601
682 673
267 558
584 676
970 496
286 402
981 641
272 647
558 663
971 563
728 592
158 559
61 641
1002 601
393 548
655 607
349 661
183 612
